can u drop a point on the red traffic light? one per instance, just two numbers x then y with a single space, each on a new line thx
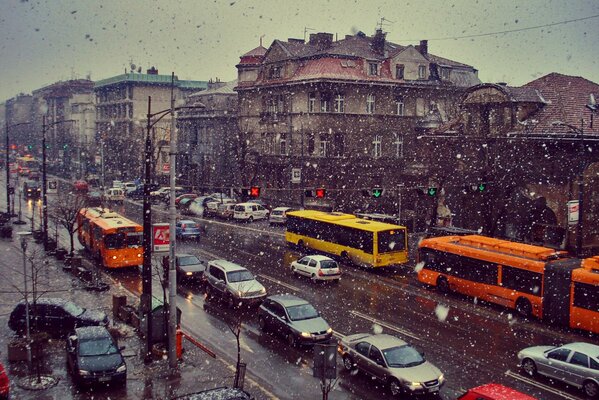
320 193
255 191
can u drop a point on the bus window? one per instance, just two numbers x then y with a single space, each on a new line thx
522 280
391 241
586 296
133 240
115 241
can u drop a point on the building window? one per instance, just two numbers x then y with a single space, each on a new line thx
265 143
275 72
373 69
399 71
338 144
283 144
325 102
376 146
399 106
339 103
310 144
445 73
398 143
324 144
370 100
311 101
421 72
420 107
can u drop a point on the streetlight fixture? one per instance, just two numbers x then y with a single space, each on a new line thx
8 211
146 296
24 236
44 180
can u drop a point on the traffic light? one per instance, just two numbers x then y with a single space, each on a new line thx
431 191
481 187
308 193
255 191
320 193
377 192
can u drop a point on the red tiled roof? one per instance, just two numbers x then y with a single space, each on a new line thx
567 97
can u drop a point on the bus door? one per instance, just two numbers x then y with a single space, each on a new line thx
556 290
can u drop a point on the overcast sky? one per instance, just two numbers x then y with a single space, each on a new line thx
46 41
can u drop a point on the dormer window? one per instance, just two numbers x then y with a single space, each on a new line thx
422 72
399 71
373 69
445 73
275 72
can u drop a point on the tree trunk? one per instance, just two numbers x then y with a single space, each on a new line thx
71 237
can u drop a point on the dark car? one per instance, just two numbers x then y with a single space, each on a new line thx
4 384
222 393
190 267
56 316
32 190
184 196
94 357
137 194
294 318
94 199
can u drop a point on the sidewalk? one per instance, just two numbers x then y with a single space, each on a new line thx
198 371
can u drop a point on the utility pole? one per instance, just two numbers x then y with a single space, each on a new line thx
7 172
146 295
302 161
579 227
44 184
172 273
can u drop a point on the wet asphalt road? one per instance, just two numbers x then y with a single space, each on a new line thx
471 343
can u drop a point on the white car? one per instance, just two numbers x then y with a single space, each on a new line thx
318 268
129 187
279 215
114 194
163 191
249 212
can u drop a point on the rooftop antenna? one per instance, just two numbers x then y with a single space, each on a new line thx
306 29
384 21
261 36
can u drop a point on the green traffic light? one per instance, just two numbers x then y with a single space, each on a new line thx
377 192
432 191
482 187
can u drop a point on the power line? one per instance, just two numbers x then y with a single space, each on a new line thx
512 30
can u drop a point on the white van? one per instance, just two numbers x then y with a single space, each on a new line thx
249 212
114 194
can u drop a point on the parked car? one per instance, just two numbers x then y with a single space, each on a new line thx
232 283
129 187
249 212
178 192
211 208
32 190
80 186
94 199
114 194
226 210
184 206
279 215
222 393
318 268
159 193
138 193
4 384
391 360
187 229
94 357
260 202
190 267
576 364
198 205
494 391
184 196
293 318
56 316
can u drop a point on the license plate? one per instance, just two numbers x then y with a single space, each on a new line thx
104 379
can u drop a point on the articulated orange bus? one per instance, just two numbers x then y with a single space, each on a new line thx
584 304
498 271
112 239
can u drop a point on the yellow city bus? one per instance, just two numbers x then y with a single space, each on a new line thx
112 239
355 240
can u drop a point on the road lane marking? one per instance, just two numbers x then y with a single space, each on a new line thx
385 324
540 385
278 282
339 335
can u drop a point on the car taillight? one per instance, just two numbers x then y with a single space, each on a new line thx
320 273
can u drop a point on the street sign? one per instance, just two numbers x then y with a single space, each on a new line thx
52 187
160 237
573 210
166 167
296 175
325 361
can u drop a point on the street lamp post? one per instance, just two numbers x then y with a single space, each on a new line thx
24 236
6 126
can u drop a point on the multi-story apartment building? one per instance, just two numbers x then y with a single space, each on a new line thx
122 108
17 110
209 138
347 113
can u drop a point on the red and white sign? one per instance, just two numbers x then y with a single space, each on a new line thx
166 167
160 237
573 211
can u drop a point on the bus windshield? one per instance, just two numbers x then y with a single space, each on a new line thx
121 240
390 241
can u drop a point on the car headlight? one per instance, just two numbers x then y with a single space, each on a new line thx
189 273
306 334
414 385
122 368
83 372
263 291
442 378
239 293
330 330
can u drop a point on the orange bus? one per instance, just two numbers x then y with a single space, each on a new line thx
112 239
584 304
498 271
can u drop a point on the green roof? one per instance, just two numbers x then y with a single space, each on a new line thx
163 80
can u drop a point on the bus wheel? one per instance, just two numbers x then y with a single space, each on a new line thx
590 389
301 245
523 307
442 284
345 258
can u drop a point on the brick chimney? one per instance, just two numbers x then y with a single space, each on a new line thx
378 42
152 71
322 40
423 47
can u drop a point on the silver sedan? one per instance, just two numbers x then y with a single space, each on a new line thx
576 364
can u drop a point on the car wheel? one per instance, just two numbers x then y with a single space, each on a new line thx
443 285
529 367
395 387
313 277
293 271
348 363
231 302
262 324
208 292
590 389
251 219
301 245
291 341
523 307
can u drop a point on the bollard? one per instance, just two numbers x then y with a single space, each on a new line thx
179 344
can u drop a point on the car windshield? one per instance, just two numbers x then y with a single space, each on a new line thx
403 356
325 264
301 312
240 276
97 347
73 309
277 212
188 260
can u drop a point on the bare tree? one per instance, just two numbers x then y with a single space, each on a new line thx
65 211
